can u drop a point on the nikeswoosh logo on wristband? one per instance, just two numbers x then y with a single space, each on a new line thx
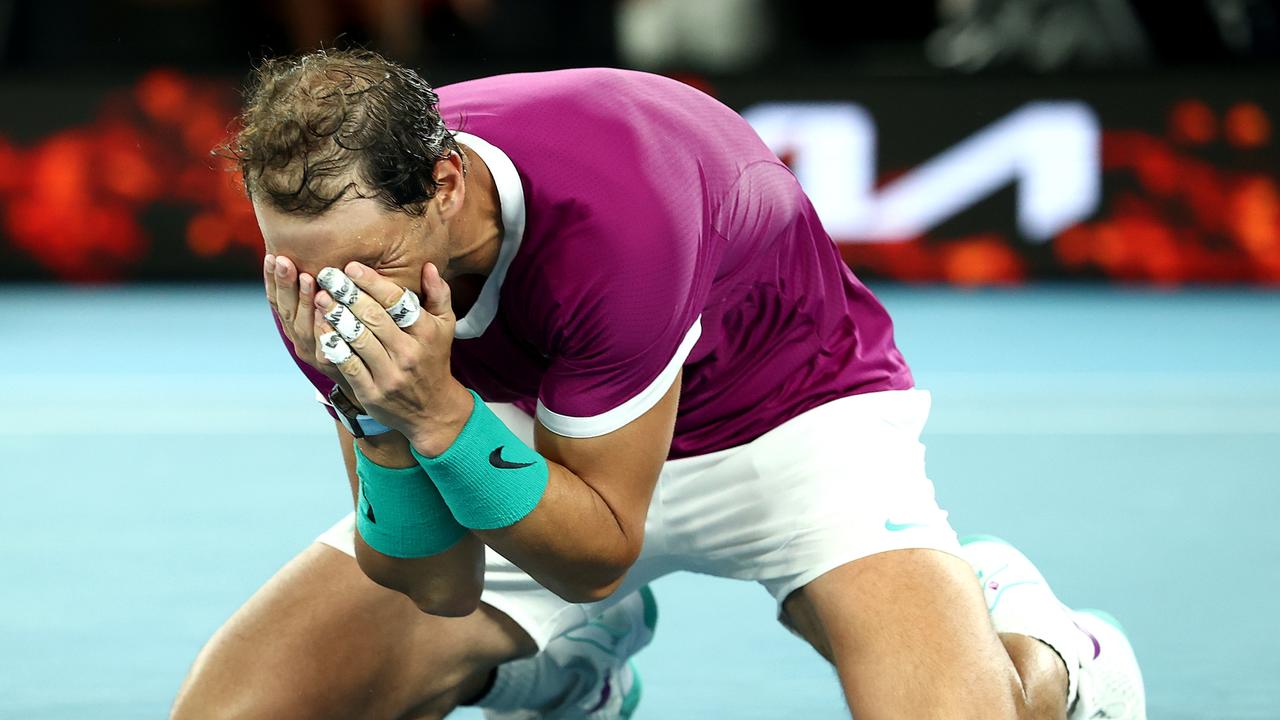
495 459
368 506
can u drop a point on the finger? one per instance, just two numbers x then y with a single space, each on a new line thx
341 287
286 290
341 318
303 323
406 311
269 278
337 359
368 305
319 328
400 303
437 298
335 353
334 349
330 348
356 333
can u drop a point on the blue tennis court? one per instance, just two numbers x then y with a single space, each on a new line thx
163 458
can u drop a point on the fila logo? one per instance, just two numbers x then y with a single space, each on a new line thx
1051 150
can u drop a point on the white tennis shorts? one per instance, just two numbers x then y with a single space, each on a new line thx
838 483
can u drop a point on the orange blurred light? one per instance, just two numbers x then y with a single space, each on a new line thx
982 260
207 235
59 169
1073 246
1157 168
1255 216
1247 125
163 96
1193 122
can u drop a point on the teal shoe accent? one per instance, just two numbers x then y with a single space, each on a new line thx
650 608
632 699
588 641
1000 592
1105 617
966 539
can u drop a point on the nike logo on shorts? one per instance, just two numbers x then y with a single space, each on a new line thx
892 526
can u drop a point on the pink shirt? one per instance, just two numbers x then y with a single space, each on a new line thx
647 229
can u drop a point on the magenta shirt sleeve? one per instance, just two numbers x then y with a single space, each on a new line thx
623 318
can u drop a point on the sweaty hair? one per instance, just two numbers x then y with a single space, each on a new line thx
330 124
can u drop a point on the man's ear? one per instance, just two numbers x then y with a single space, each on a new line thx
451 188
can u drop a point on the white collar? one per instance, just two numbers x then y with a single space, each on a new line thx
511 205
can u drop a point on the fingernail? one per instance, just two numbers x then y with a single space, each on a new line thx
324 301
269 263
281 269
355 269
304 281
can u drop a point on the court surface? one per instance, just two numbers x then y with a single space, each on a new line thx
161 458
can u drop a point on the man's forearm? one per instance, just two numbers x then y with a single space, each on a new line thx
447 583
570 513
572 543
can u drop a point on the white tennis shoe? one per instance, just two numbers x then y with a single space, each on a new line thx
1019 600
1110 686
606 685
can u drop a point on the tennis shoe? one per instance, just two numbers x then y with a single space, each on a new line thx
606 685
1110 686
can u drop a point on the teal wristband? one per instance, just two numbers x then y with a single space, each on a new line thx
488 477
400 513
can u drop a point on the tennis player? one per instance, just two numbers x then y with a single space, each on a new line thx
579 330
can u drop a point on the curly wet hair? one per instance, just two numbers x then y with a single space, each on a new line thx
330 124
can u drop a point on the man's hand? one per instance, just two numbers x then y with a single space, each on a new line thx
291 295
400 376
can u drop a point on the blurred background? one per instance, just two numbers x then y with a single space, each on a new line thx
962 141
1070 207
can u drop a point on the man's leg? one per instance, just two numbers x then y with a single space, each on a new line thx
909 634
320 640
